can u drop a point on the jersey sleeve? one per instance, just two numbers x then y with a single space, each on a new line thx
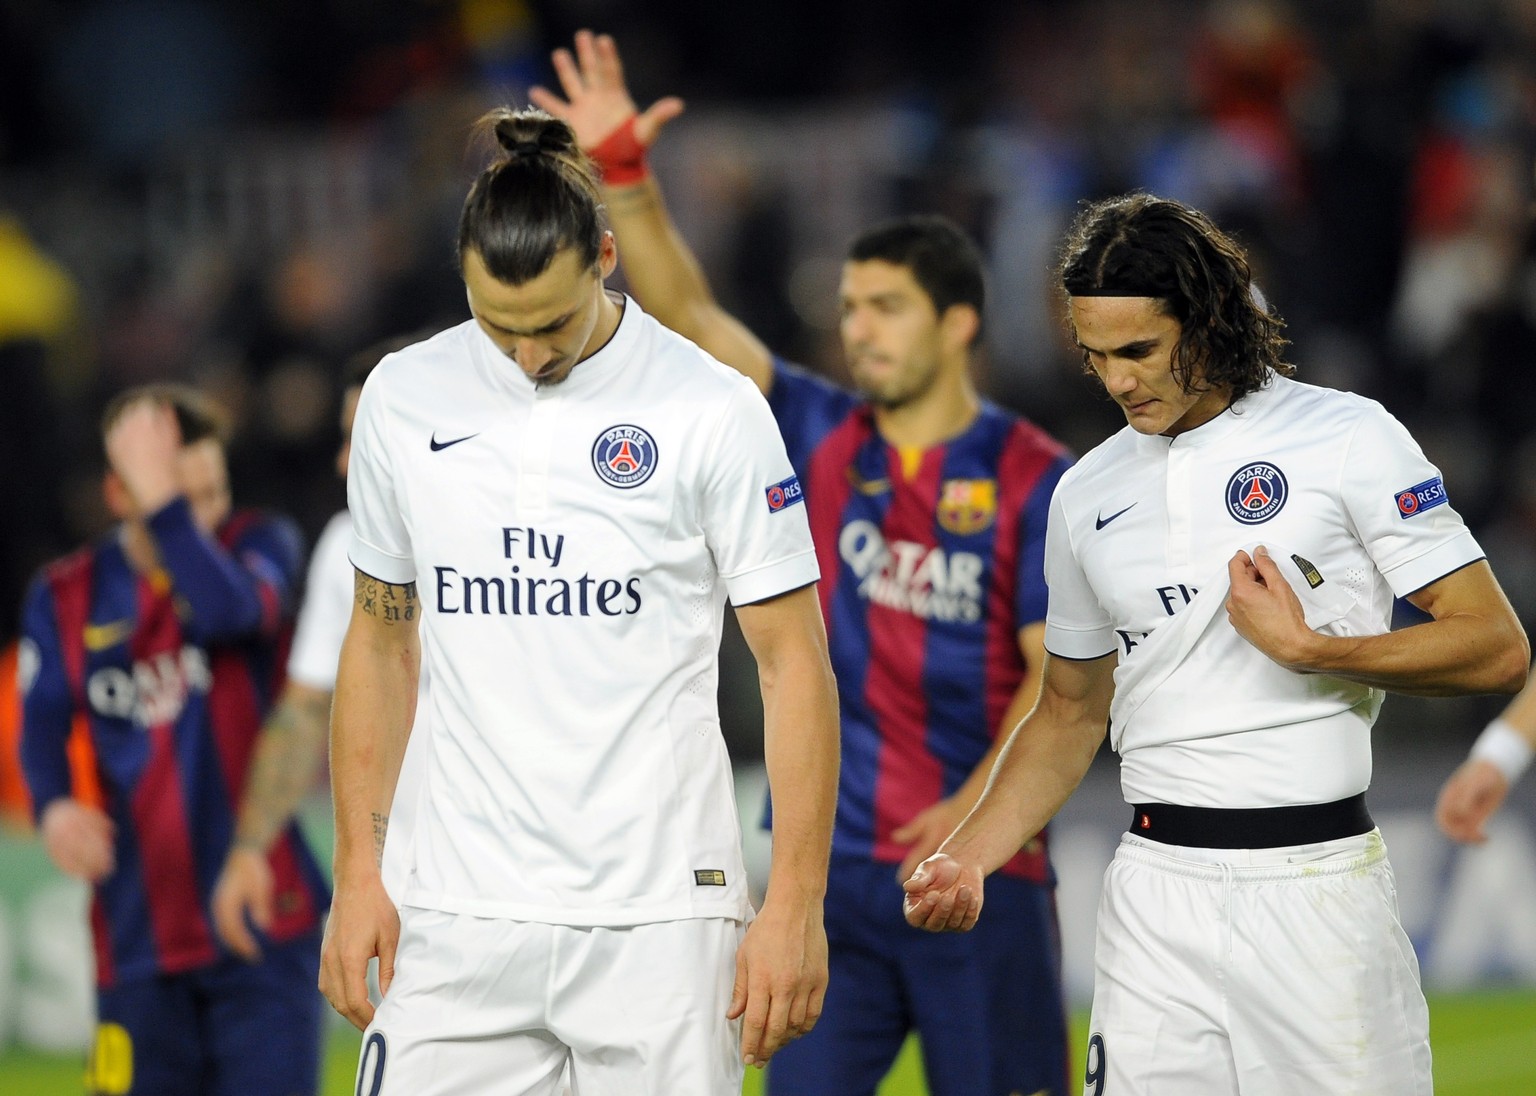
1076 624
806 408
246 589
1030 595
1398 504
326 610
753 509
381 546
47 706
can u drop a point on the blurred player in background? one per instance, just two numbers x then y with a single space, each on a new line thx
293 738
1222 574
169 636
577 490
1498 759
928 506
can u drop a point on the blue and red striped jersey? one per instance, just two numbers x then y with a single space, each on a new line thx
175 671
929 569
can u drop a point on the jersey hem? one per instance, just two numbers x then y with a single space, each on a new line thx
773 579
376 563
731 910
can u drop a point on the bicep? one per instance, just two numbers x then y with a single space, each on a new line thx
1077 692
777 626
1031 640
384 615
1471 591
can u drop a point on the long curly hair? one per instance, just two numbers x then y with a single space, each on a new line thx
1140 245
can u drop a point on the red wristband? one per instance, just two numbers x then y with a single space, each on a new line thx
620 157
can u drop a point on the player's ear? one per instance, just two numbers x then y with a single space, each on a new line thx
119 501
960 325
607 255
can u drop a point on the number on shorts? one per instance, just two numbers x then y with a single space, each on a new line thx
1093 1080
109 1071
375 1047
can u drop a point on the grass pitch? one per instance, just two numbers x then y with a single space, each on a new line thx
1482 1043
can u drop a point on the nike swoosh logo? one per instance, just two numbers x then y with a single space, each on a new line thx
1102 521
98 637
439 446
868 486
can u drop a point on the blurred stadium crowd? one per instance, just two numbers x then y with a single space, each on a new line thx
242 195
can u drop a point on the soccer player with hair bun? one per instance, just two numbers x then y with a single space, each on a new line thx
568 493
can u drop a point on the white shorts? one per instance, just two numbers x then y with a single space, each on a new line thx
1255 971
483 1005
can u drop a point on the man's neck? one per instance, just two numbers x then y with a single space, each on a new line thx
138 546
945 411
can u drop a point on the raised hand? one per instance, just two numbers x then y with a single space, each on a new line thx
143 447
597 101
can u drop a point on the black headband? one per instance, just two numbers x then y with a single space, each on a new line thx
1082 285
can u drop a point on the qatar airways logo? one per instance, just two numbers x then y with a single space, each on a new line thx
152 691
920 579
530 586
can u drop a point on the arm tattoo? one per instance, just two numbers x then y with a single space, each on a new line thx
388 603
286 767
380 831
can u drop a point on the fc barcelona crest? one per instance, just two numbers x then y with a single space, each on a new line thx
967 506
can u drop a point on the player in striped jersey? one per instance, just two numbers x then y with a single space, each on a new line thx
169 636
928 509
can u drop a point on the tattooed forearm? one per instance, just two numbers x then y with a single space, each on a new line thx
380 831
384 601
286 766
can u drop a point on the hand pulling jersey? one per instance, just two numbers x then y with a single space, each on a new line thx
1141 531
572 547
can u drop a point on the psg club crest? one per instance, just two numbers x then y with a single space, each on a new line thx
967 506
624 456
1256 492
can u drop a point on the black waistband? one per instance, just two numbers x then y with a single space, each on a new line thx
1251 828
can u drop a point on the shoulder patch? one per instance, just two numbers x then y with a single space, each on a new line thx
1420 497
784 494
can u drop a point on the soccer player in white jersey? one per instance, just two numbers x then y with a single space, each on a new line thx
1221 579
287 759
1499 757
574 491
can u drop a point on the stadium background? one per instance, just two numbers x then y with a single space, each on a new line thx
242 195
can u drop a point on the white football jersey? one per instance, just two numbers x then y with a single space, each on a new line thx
1142 529
327 608
572 547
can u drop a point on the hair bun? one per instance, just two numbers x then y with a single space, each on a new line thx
527 134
